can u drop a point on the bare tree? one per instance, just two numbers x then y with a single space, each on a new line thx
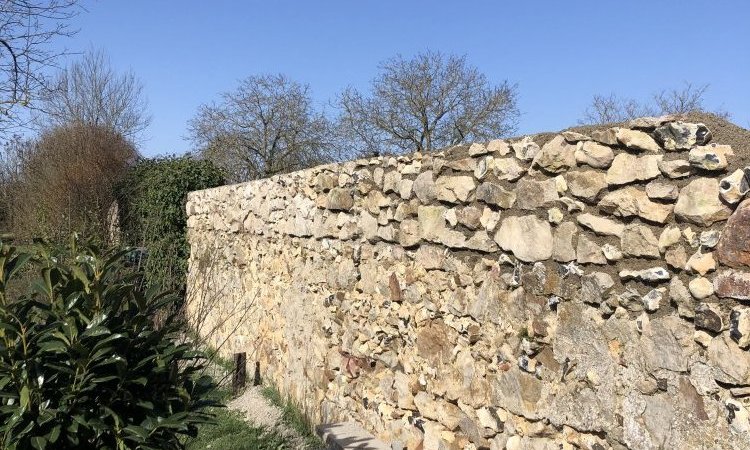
268 125
610 109
427 102
90 92
27 30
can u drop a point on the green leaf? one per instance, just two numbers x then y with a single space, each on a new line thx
24 397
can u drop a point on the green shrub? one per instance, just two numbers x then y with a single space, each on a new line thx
82 365
152 212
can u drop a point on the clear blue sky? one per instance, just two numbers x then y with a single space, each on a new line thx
560 53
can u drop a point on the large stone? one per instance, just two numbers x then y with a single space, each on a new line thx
556 156
595 286
732 284
563 235
681 135
730 359
534 194
525 149
528 237
409 233
507 169
627 168
601 225
630 201
589 252
733 249
607 136
659 190
649 123
340 199
495 194
594 154
700 204
710 157
586 184
424 187
431 222
676 168
636 140
498 147
639 241
734 187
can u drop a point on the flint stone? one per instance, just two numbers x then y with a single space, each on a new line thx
700 204
627 168
589 252
637 140
594 154
529 238
556 156
507 169
732 284
708 318
630 201
733 248
710 157
525 149
586 184
682 136
639 241
495 194
734 187
678 168
659 190
651 275
739 326
652 300
534 194
601 225
563 234
469 217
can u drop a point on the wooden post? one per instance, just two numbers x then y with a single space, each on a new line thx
239 377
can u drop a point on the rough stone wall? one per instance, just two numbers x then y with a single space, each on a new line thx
592 293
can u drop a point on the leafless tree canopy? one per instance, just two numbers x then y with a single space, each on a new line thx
27 29
268 125
427 102
610 109
91 92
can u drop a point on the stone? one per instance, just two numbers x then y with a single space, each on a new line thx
489 219
561 184
375 200
405 189
563 234
701 263
528 237
652 300
738 417
600 225
636 140
498 147
391 181
339 199
649 123
676 168
730 359
409 233
534 194
430 257
482 242
682 136
700 204
507 169
595 287
739 326
494 194
676 257
431 221
424 187
710 157
525 149
572 205
639 241
708 317
476 149
482 166
659 190
651 275
454 189
573 137
732 284
554 216
680 296
460 165
369 225
700 288
556 156
612 253
587 184
469 217
734 187
631 201
589 252
733 247
594 154
669 237
627 168
709 239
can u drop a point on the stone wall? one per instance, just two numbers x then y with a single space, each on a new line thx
589 292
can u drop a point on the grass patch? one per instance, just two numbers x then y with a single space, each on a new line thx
293 417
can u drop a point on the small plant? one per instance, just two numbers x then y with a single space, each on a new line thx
82 363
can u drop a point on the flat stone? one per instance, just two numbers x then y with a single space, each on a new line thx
498 147
607 136
534 194
732 284
637 140
649 123
340 199
710 157
525 149
595 286
739 326
573 137
734 187
528 237
730 359
507 169
454 189
600 225
482 242
494 194
476 149
639 241
701 263
733 248
587 184
563 235
677 168
708 317
631 201
489 219
589 252
556 156
651 275
594 154
659 190
627 168
349 435
700 204
682 136
424 187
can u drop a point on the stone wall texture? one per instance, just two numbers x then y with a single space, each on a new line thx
577 291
